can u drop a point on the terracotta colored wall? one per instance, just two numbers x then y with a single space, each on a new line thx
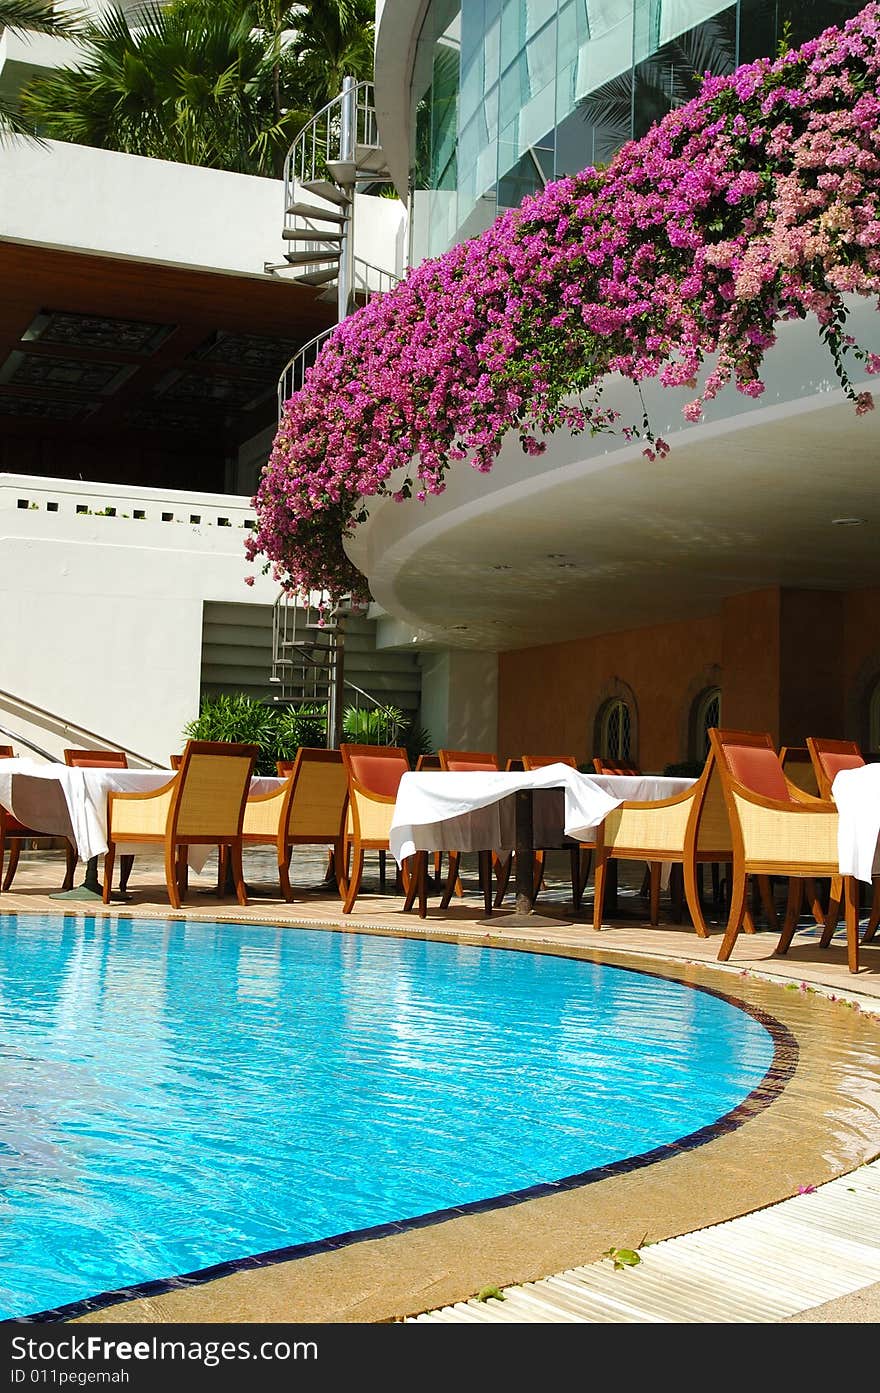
789 661
811 688
860 659
549 696
750 661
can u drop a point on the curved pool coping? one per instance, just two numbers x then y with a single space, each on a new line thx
400 1268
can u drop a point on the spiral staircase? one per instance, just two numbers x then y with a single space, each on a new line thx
335 156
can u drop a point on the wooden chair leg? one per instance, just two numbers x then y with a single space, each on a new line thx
577 888
503 866
586 863
600 876
451 878
692 875
832 914
874 920
737 913
170 876
284 853
222 853
12 867
125 866
654 893
71 858
109 858
792 913
851 911
484 859
383 870
354 880
765 895
538 873
676 891
182 871
340 869
814 900
418 884
412 884
238 872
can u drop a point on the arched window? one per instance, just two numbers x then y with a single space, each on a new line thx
706 713
615 725
874 717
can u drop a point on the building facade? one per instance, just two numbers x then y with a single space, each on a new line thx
631 603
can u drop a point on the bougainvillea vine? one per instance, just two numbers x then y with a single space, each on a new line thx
757 202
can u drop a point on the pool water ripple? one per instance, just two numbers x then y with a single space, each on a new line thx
179 1095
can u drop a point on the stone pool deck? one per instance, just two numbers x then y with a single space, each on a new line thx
820 1120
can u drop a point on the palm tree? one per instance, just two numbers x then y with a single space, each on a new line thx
225 83
35 17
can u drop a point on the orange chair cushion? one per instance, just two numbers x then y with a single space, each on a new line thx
381 774
833 763
758 769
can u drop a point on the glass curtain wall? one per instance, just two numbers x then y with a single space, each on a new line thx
509 94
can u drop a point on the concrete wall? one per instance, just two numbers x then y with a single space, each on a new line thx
102 616
79 198
460 699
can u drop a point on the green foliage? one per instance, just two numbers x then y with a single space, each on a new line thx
491 1294
685 769
238 718
36 17
281 730
373 725
300 725
625 1257
223 83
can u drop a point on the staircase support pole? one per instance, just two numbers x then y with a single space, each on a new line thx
347 142
337 681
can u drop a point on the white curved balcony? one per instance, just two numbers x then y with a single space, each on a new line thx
592 537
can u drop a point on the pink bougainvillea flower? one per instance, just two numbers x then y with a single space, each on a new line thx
756 203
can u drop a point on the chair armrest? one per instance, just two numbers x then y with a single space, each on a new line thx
263 811
788 835
145 814
650 826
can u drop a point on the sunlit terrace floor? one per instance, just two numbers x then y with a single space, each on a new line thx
824 1121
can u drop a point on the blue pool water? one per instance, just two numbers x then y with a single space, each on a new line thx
176 1095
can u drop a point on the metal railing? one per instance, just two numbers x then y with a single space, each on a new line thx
23 740
64 727
321 143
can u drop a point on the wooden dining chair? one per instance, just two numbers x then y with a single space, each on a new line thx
580 853
374 773
309 810
777 829
201 805
828 758
615 766
685 831
95 759
488 860
12 833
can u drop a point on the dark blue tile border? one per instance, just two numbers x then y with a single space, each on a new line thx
781 1069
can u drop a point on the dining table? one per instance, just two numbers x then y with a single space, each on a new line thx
59 800
512 811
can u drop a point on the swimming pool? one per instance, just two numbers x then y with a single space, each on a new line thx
177 1095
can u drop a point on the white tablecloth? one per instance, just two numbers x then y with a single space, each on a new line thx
857 795
30 791
474 810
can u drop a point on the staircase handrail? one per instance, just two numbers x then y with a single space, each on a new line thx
73 728
23 740
324 112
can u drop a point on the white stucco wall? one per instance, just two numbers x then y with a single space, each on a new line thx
102 616
78 198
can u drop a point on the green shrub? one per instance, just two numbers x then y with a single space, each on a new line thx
240 719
